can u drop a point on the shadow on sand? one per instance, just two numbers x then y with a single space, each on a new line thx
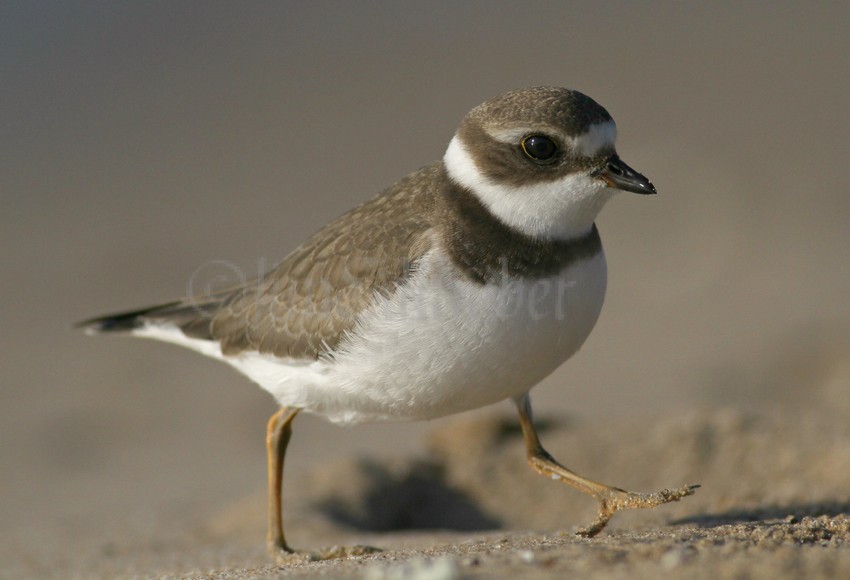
417 498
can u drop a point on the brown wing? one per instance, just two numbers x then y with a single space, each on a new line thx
306 304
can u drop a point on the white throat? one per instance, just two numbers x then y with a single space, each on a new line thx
562 209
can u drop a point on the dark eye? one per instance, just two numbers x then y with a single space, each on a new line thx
539 147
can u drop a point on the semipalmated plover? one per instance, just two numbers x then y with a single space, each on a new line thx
465 283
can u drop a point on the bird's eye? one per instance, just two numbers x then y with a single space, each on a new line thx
539 147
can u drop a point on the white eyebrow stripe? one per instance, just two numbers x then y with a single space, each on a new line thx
598 136
508 136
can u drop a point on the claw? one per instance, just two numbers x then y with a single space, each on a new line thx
613 500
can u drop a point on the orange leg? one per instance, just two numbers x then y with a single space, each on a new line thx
611 499
278 432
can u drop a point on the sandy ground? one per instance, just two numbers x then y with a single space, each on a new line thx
155 149
774 502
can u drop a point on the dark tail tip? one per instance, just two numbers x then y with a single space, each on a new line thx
120 322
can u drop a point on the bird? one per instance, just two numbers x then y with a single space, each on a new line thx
462 285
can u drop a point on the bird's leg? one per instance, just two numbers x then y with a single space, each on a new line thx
611 499
278 432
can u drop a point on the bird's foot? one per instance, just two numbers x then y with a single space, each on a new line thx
287 557
611 500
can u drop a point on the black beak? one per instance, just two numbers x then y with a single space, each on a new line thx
618 175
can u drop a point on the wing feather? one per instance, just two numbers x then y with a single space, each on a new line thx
313 297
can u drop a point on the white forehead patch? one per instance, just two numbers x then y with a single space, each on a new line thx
600 135
562 209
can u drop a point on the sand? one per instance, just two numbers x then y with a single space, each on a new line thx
774 502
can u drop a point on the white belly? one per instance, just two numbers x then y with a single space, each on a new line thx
441 345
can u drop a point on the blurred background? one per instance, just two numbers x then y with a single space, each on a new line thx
152 148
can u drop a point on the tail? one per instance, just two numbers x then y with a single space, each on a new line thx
191 317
